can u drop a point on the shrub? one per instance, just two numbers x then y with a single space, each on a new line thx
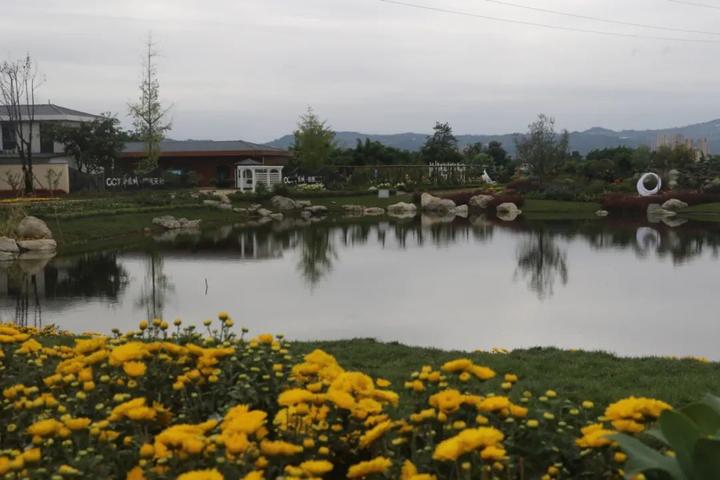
634 204
525 185
281 189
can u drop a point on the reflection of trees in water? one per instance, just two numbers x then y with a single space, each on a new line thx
30 282
317 253
541 261
87 276
27 302
156 287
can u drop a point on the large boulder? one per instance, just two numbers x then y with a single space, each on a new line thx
8 257
283 203
430 203
461 211
374 211
674 204
33 228
656 212
352 208
316 209
402 208
168 222
264 212
38 245
302 203
222 197
190 224
508 211
8 245
480 201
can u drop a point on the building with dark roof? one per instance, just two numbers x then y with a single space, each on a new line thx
50 164
216 163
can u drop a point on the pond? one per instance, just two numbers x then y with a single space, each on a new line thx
628 287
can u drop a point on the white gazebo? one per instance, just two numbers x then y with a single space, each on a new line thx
250 173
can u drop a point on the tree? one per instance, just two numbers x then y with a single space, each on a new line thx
94 145
149 116
498 153
441 146
541 148
18 81
314 141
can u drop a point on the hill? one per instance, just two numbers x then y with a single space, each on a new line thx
583 142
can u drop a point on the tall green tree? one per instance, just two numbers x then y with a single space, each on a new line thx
441 146
314 141
95 145
150 118
542 149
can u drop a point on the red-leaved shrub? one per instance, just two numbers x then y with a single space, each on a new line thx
634 204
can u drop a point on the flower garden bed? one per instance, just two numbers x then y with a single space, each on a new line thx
177 402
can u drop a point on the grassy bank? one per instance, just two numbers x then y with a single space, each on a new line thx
578 375
108 221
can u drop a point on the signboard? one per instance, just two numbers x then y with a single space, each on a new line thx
134 181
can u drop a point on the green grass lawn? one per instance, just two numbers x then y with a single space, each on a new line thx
600 377
706 212
559 210
713 208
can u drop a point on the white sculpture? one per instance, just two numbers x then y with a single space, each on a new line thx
641 184
486 178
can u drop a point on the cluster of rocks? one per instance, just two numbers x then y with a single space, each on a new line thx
33 239
168 222
283 205
220 201
444 207
667 212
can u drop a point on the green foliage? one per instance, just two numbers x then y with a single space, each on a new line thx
314 141
95 145
149 116
542 149
442 146
10 218
692 433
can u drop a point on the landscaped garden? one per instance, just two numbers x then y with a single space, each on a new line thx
171 401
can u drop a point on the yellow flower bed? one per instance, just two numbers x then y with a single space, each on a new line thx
162 403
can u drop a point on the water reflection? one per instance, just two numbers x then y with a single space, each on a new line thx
411 270
156 287
317 254
541 262
30 282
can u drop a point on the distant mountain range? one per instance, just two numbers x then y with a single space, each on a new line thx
581 141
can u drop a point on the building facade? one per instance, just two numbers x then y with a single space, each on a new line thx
223 164
50 164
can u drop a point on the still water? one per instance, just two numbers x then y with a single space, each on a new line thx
621 286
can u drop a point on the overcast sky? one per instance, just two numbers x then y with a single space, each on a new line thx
245 69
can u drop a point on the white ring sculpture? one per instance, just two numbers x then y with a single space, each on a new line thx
641 184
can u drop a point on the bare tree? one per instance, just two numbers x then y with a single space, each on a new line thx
18 81
149 116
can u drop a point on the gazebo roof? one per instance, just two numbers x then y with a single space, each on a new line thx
248 162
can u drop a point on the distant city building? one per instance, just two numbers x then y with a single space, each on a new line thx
700 145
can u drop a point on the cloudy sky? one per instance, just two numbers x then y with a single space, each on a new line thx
247 68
